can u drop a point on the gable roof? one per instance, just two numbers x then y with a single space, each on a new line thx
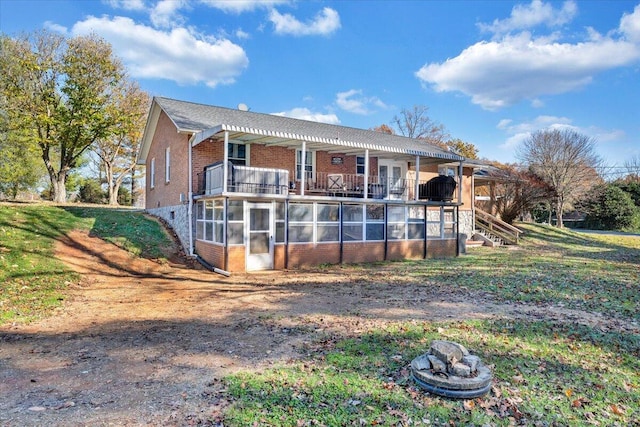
202 121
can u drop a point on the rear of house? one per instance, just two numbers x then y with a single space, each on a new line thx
248 191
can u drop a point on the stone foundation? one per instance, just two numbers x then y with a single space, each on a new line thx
177 217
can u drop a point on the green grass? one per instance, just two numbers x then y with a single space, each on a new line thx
545 374
32 280
588 272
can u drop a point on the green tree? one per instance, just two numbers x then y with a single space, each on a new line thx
20 166
465 149
566 161
610 208
60 91
118 150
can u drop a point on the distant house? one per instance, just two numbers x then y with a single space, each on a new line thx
249 191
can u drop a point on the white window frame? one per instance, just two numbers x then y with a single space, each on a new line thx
310 154
152 174
360 166
167 165
233 154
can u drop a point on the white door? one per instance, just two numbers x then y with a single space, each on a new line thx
392 177
259 232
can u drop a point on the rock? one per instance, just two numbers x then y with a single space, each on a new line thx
421 364
436 364
448 352
461 370
472 362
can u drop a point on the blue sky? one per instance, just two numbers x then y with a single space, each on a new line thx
491 72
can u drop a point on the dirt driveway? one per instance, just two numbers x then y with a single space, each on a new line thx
140 343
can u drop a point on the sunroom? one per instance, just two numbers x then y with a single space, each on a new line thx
288 201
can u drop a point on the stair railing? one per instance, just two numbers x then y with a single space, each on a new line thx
496 227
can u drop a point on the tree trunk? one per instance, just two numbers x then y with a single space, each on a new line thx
59 190
559 212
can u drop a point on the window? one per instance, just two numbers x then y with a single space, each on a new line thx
360 165
352 222
235 217
167 165
238 154
300 222
308 163
415 226
447 170
375 222
210 221
328 223
152 178
280 217
396 223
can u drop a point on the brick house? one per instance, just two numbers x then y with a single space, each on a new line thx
249 191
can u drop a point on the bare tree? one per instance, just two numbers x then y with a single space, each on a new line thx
632 167
415 123
565 160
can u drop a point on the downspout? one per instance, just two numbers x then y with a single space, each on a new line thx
341 239
366 173
426 229
386 229
190 199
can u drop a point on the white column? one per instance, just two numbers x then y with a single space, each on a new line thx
366 173
225 162
303 164
417 185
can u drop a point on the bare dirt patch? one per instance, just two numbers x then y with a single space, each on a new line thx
145 343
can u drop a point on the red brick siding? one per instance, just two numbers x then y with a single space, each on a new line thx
441 248
211 253
358 252
405 249
308 255
167 194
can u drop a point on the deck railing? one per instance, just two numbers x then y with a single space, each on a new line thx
258 180
244 179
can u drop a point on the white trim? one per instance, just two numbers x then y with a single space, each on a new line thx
167 165
152 173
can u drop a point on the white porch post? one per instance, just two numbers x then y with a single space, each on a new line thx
225 163
366 173
303 164
417 185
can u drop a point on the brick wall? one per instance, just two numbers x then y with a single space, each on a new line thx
213 254
441 248
308 255
358 252
167 193
405 249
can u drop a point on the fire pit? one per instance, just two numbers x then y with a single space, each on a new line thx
449 370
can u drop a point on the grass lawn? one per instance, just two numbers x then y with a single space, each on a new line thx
33 281
545 373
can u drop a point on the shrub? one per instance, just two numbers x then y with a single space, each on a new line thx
610 208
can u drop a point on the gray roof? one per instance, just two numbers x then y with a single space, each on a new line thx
193 118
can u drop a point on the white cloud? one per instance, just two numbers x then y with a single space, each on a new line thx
500 73
519 132
242 35
306 114
240 6
177 55
324 23
630 25
55 27
165 13
353 102
532 15
126 4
